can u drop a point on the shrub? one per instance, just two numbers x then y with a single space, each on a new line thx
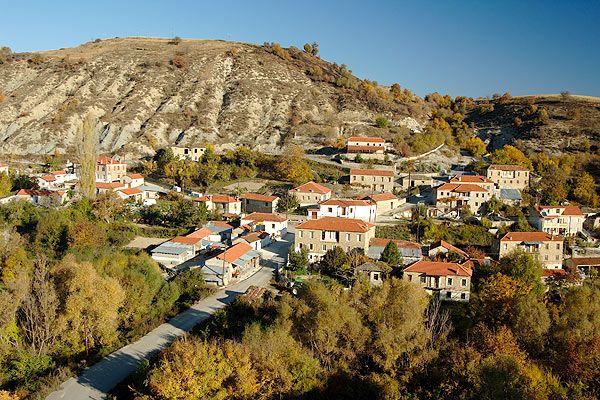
382 122
176 40
475 147
179 61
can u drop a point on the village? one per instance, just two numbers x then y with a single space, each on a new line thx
314 221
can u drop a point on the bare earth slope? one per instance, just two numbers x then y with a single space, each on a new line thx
147 93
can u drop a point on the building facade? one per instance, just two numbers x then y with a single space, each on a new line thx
557 220
509 176
449 281
368 145
221 203
254 202
545 248
451 196
110 170
377 180
188 153
342 208
310 194
275 225
323 234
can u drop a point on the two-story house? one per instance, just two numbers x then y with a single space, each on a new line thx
275 225
310 193
384 202
254 202
450 281
323 234
224 204
451 196
345 208
109 169
478 180
557 220
188 153
377 180
368 145
238 261
545 248
509 176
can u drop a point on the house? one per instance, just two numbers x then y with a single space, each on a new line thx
368 146
357 209
220 228
545 248
258 240
275 225
132 194
478 180
55 180
416 180
133 180
197 242
110 170
320 235
151 192
557 220
171 254
254 202
410 251
508 176
451 196
211 238
310 193
238 261
188 153
584 264
104 187
384 202
373 272
377 180
450 281
444 250
42 197
221 203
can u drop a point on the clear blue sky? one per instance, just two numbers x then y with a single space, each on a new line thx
473 48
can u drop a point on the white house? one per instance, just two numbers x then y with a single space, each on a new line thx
310 193
557 220
275 225
345 208
133 180
238 261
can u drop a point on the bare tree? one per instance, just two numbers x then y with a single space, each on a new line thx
87 157
38 311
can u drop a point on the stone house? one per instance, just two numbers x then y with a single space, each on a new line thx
545 248
254 202
450 281
377 180
508 176
557 220
310 193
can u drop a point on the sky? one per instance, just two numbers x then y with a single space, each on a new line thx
469 48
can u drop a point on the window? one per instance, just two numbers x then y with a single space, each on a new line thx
557 257
546 257
347 237
273 226
312 235
449 280
557 246
463 296
463 282
324 247
422 279
547 246
448 295
410 278
310 246
359 237
505 246
329 209
300 233
375 276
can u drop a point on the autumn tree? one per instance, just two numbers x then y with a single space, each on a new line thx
5 184
511 155
584 190
293 167
391 256
90 307
475 146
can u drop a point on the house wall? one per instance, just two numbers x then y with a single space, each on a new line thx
251 206
509 179
309 199
458 286
317 242
110 172
366 213
375 183
388 205
474 200
548 253
567 225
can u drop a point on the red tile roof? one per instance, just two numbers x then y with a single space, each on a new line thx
109 185
38 192
449 247
217 198
186 239
234 252
260 217
135 176
221 224
567 210
104 160
346 202
436 268
381 197
586 261
60 172
259 197
337 224
461 187
200 233
311 187
470 179
507 167
372 172
366 139
255 236
530 237
48 178
130 191
403 244
554 273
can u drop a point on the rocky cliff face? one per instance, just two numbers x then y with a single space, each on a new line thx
144 94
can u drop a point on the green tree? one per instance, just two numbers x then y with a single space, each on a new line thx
298 260
391 256
287 203
382 122
163 156
5 185
335 263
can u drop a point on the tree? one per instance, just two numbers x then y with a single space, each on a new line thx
522 266
87 156
5 184
511 155
315 49
391 256
90 314
287 203
298 260
293 167
308 48
584 190
382 122
163 156
335 264
475 146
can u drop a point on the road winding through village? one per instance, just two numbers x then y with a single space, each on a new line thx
96 381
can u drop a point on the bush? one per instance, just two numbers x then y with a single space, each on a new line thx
382 122
179 61
475 147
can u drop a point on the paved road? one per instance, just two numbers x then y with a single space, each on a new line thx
96 381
